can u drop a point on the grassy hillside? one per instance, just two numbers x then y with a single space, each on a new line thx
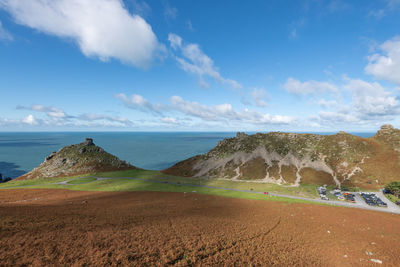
156 181
289 158
77 159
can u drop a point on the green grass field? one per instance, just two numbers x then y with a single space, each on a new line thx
303 190
392 198
149 181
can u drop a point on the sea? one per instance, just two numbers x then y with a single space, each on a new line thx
20 152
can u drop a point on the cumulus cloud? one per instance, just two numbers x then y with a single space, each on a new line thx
58 117
335 119
5 35
30 119
169 120
52 112
225 112
202 111
371 100
327 103
101 28
193 60
214 113
140 103
297 87
259 95
386 64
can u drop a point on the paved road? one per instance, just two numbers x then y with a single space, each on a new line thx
360 204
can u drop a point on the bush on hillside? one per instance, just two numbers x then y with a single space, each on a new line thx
393 188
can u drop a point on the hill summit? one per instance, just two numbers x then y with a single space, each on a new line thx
77 159
341 159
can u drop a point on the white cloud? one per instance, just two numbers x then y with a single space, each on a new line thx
335 119
193 60
258 95
327 103
175 41
204 112
50 111
141 8
378 13
98 117
353 101
225 112
169 11
30 119
371 100
387 9
386 65
297 87
169 120
58 117
216 113
189 25
101 28
139 102
5 35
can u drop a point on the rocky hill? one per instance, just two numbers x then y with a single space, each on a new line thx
77 159
289 158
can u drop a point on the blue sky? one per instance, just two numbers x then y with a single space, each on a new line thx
133 65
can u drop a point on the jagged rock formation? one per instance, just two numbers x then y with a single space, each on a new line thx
290 158
77 159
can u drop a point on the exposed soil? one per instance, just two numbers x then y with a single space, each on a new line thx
61 227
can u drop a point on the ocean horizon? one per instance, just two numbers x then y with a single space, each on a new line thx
20 152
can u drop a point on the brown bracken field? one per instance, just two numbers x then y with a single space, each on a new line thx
72 228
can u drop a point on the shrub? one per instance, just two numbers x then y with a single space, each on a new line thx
394 188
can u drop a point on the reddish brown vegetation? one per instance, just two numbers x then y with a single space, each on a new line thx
311 176
254 169
59 227
183 168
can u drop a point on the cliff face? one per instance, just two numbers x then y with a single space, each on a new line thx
77 159
289 158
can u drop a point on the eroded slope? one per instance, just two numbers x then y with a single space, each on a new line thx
290 158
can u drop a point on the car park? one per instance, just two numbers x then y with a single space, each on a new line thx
322 192
373 200
349 197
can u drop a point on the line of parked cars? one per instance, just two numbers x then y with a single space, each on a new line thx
373 200
350 197
322 192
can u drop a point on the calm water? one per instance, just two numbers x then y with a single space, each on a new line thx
21 152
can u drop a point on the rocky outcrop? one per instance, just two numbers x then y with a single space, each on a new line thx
292 159
390 136
77 159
